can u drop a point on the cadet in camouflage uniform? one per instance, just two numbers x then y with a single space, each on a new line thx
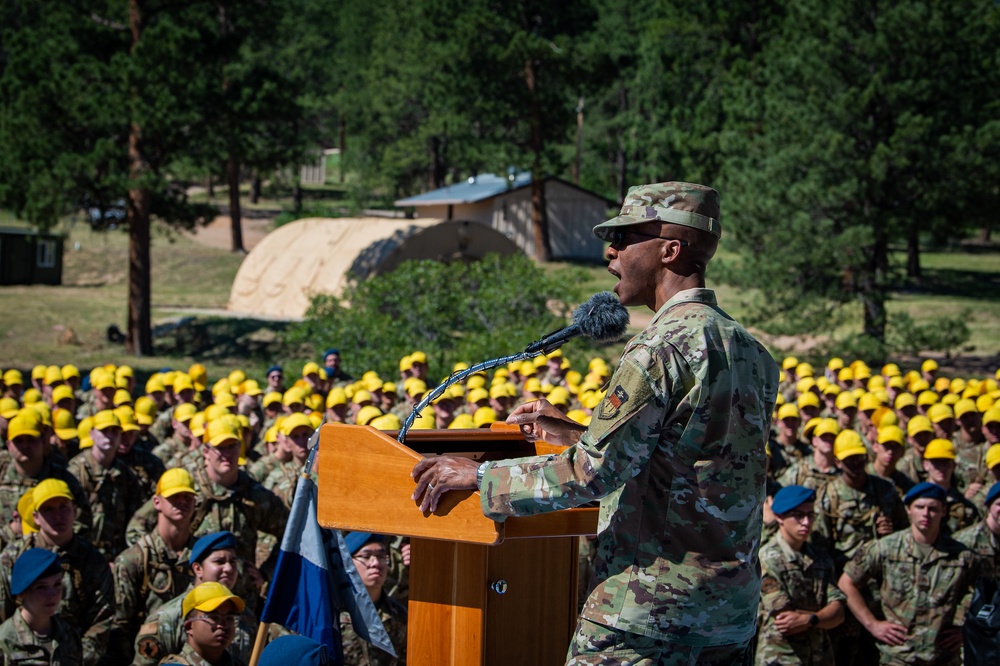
922 576
939 464
112 489
983 538
919 433
146 467
888 450
675 452
210 613
856 507
155 569
25 466
371 557
213 559
799 597
820 468
35 634
88 603
294 441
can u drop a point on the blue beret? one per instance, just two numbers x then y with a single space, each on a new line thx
790 497
33 564
925 489
210 543
273 368
297 650
355 540
993 493
330 351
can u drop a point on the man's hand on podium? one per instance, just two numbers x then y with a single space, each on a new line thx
437 475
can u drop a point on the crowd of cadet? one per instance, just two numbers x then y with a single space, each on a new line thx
881 515
139 524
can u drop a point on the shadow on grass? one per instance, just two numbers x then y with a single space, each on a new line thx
977 285
221 339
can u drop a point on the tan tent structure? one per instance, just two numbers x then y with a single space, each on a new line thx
318 255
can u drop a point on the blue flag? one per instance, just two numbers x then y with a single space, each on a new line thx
315 578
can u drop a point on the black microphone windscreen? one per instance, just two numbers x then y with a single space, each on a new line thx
602 317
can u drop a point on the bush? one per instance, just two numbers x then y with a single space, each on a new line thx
453 312
940 334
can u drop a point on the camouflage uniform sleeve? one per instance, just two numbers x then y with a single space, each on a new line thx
773 596
273 514
84 516
7 558
143 521
128 577
615 448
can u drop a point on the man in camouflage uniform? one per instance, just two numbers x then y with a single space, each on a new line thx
26 465
371 557
88 603
179 442
675 452
888 450
922 576
786 447
799 597
155 569
296 430
141 461
211 613
939 464
112 489
919 433
983 538
213 559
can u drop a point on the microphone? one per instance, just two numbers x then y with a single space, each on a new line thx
601 317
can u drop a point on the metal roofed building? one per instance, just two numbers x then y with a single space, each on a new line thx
505 205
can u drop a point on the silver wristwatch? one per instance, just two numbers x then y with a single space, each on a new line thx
480 472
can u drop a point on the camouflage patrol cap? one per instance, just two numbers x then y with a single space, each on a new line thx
686 204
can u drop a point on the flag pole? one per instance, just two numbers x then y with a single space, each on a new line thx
264 627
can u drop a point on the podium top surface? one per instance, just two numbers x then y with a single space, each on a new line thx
365 484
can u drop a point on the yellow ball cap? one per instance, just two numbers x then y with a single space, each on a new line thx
127 420
939 412
182 383
425 420
174 481
477 394
293 396
826 427
26 509
105 419
891 433
293 421
23 424
414 387
788 411
209 596
61 393
367 413
991 415
847 444
831 389
462 422
361 396
335 397
50 489
992 456
846 400
808 399
9 407
271 398
65 424
418 357
185 412
810 427
835 363
310 368
845 375
484 416
896 382
251 387
13 378
965 406
155 384
927 398
559 396
804 370
38 372
386 422
918 424
938 449
53 375
985 402
70 371
883 416
221 431
862 372
805 385
224 399
405 363
918 386
869 402
930 365
31 396
905 400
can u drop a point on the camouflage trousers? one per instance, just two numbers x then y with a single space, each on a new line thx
597 645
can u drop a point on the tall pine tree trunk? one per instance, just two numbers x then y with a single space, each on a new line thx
255 189
140 338
539 215
873 286
913 253
235 215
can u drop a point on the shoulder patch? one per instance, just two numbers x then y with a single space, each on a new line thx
150 647
612 403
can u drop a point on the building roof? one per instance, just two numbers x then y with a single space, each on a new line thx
476 188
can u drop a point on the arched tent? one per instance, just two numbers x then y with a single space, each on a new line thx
317 255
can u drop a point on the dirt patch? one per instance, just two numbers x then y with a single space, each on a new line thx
218 232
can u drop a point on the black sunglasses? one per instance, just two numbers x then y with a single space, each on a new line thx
618 237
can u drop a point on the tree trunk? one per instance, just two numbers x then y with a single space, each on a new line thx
438 168
873 286
140 338
297 189
579 142
913 253
539 215
342 141
210 186
255 189
235 215
984 234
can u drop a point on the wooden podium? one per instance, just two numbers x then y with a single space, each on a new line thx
481 592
